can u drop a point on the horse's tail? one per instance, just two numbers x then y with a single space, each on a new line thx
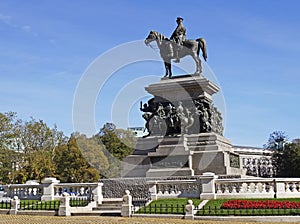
202 46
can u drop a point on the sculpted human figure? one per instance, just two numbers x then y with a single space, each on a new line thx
178 36
148 110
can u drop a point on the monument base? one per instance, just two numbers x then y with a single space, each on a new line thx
185 155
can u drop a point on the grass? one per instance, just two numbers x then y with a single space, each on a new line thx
39 205
4 205
167 206
213 207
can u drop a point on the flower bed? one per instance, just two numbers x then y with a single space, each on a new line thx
266 204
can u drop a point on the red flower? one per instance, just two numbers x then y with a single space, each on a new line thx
250 204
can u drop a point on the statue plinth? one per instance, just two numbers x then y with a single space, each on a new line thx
185 132
183 88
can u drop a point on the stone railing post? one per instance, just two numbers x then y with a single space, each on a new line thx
64 207
189 210
15 204
48 188
153 191
208 186
127 204
97 193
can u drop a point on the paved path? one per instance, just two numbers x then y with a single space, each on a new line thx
26 219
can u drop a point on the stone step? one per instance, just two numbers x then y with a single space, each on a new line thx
99 213
107 208
112 201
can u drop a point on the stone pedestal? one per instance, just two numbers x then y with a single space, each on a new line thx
15 203
64 207
208 186
185 132
189 210
126 204
48 189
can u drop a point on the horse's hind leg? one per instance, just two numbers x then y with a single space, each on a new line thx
198 64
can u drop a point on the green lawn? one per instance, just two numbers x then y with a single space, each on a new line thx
39 205
4 205
167 206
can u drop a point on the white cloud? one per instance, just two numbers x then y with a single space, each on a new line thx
8 21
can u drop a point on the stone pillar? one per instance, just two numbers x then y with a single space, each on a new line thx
127 204
48 188
153 191
208 186
97 193
15 204
189 210
64 207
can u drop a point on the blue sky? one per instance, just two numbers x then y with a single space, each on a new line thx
253 49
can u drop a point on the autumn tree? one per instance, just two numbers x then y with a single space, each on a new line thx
39 142
93 152
118 144
71 166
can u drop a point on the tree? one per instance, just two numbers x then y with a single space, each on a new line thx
37 136
9 130
38 142
93 152
288 161
118 144
286 156
10 157
277 141
71 166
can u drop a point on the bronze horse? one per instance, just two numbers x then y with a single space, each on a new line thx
167 47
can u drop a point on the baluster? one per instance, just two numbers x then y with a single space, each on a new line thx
226 191
234 189
241 190
249 188
294 187
271 189
219 189
256 190
263 190
34 191
287 187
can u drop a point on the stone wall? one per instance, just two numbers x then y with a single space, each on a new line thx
115 187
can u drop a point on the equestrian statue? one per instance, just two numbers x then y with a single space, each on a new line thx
178 47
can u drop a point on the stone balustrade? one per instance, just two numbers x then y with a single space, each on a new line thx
245 188
251 188
24 191
206 186
287 187
85 190
174 188
52 189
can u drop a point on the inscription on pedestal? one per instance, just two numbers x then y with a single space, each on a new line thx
169 162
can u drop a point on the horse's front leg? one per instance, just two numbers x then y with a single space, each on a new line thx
167 69
170 69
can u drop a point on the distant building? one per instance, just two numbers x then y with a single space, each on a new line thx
138 131
256 161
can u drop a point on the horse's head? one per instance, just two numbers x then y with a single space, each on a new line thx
151 37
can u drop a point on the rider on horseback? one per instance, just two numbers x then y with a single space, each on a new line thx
178 36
